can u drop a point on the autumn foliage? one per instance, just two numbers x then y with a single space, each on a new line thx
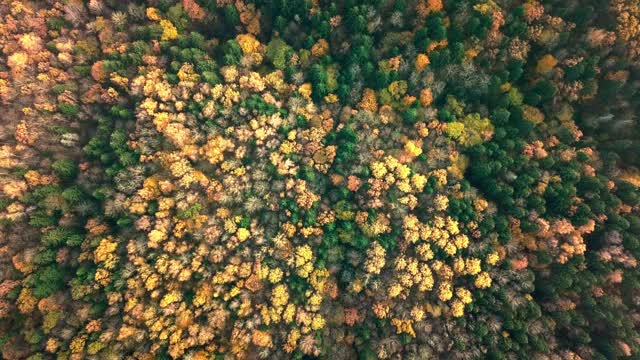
300 179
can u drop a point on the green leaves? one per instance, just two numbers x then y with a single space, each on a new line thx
65 169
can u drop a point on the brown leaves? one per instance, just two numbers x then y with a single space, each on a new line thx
194 10
97 71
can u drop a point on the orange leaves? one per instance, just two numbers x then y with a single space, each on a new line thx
351 316
34 178
368 101
320 48
262 338
305 198
249 16
628 17
380 310
152 14
426 97
425 7
14 189
353 183
155 237
546 64
520 264
203 295
97 71
26 301
422 61
194 10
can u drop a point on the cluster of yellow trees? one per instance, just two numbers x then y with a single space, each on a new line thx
417 267
169 261
170 206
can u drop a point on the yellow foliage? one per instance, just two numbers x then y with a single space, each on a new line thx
441 202
102 277
493 258
464 295
279 295
253 81
305 90
30 42
418 181
214 149
243 234
152 14
457 308
275 275
26 301
444 291
402 171
394 290
455 129
450 249
248 43
472 266
441 177
170 298
375 258
458 265
403 185
292 340
378 169
169 31
155 237
483 280
187 73
104 251
303 255
77 344
452 226
289 313
18 61
404 327
331 98
412 148
461 241
318 322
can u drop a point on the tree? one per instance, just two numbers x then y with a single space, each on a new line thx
65 169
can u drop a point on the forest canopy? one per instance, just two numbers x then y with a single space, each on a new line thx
298 179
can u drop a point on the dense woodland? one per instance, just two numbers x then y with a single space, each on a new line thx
298 179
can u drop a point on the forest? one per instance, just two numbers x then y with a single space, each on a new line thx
319 179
